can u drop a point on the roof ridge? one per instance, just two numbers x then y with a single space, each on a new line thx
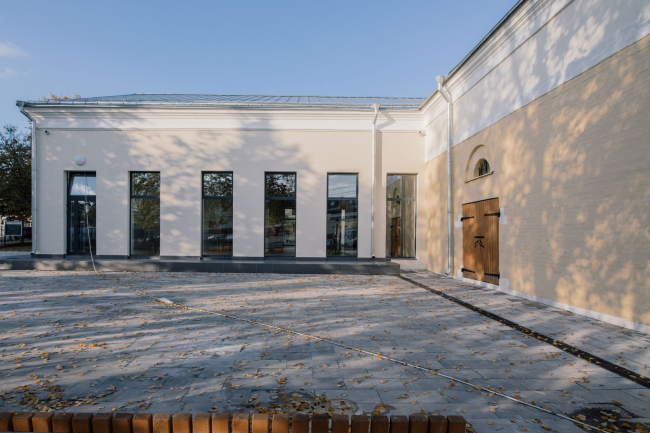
267 95
238 101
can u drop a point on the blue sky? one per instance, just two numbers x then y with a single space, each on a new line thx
332 48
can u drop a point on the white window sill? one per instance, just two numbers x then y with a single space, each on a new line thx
480 177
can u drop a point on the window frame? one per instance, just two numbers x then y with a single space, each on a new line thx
415 223
339 174
328 199
216 197
71 174
294 198
479 165
131 197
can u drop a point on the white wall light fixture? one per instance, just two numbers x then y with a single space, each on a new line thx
79 160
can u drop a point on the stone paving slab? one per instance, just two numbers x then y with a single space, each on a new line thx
80 342
627 348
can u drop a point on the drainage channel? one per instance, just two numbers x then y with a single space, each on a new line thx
607 365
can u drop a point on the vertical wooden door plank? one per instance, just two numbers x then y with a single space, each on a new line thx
468 236
492 244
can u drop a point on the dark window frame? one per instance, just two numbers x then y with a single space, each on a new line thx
402 198
223 197
68 203
73 174
294 198
482 167
328 199
216 197
345 174
131 197
415 223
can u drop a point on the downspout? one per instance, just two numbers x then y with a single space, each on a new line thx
21 107
445 94
375 107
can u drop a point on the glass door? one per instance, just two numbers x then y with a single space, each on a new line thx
342 221
82 201
280 215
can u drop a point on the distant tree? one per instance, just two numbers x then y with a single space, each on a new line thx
15 174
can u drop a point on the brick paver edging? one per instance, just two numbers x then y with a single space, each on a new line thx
607 365
120 422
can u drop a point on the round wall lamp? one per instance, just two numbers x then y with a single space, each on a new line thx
79 160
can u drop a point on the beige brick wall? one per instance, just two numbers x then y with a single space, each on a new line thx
572 170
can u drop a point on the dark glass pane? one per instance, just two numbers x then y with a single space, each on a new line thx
342 228
280 228
400 229
145 226
482 168
83 185
81 226
342 186
400 186
280 185
217 227
217 184
145 184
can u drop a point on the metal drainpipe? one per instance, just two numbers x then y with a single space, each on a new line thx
375 107
21 107
445 94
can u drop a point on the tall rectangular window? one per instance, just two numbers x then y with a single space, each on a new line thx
145 213
342 219
401 210
82 201
217 214
280 215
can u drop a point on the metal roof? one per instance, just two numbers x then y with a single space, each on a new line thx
253 101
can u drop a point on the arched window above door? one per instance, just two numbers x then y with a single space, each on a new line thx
479 163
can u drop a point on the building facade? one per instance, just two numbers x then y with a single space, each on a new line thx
549 168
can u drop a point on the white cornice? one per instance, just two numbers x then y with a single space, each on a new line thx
523 24
216 118
518 28
521 28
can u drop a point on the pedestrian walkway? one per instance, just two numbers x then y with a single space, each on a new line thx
621 346
81 342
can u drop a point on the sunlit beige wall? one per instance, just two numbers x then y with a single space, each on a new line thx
572 170
181 156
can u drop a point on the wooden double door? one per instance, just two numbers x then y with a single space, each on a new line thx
481 240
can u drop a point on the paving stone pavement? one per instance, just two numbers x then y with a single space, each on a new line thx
628 348
79 342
